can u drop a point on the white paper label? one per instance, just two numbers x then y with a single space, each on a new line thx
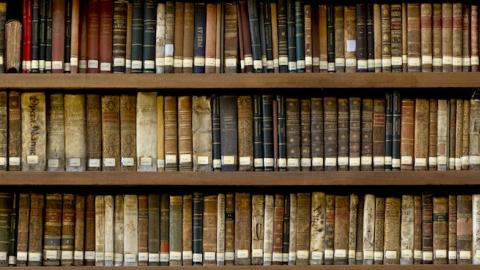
283 61
220 256
277 257
178 63
67 254
187 62
209 62
350 62
217 163
340 62
209 256
199 61
143 257
378 255
362 64
185 158
160 163
164 257
34 256
302 254
317 255
231 62
92 64
197 257
351 254
187 255
258 162
340 253
452 255
14 161
457 61
440 254
474 160
78 255
432 161
406 253
342 161
474 60
144 161
242 254
417 254
136 64
465 160
52 163
118 62
292 162
174 256
32 159
329 254
292 256
130 258
257 253
268 162
94 163
282 163
300 64
306 162
368 254
109 162
465 255
57 64
99 256
202 160
386 63
330 162
90 255
427 255
105 67
378 161
317 161
12 260
366 160
378 63
292 66
109 256
391 254
74 162
22 256
229 256
323 65
354 161
406 160
388 160
422 162
170 159
228 160
397 61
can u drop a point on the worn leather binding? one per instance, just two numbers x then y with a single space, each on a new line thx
197 236
258 205
442 135
209 229
137 36
216 134
269 65
171 133
379 230
130 212
361 18
93 36
118 230
307 9
160 134
94 143
48 38
22 229
3 18
188 22
421 134
33 131
243 212
354 139
426 38
457 40
457 154
9 211
465 135
105 29
466 39
370 38
79 231
292 241
474 37
300 35
175 229
341 234
199 37
386 38
452 230
160 39
452 132
220 37
291 36
447 37
185 133
13 36
100 232
111 133
75 133
407 134
187 217
303 228
407 230
440 229
305 132
36 229
3 130
286 230
35 39
149 27
202 133
404 37
278 229
267 131
366 156
388 130
396 160
245 132
293 134
245 49
417 229
317 146
220 232
56 130
329 229
179 36
257 133
359 241
343 131
414 38
263 45
74 35
154 227
315 36
231 39
282 36
164 226
339 38
229 229
396 36
432 134
90 230
317 228
228 130
378 148
350 34
464 229
82 54
211 38
109 230
437 38
427 228
68 36
330 132
377 37
268 229
67 230
392 230
128 130
254 25
330 38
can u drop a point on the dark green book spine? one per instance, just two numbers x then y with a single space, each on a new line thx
300 35
330 38
35 47
197 232
149 27
282 135
137 36
282 36
261 26
253 19
257 133
291 39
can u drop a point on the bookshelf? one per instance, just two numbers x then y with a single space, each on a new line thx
273 267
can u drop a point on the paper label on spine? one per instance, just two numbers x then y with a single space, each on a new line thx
105 67
302 254
92 64
198 61
474 160
378 255
406 253
32 160
144 161
330 161
268 162
317 161
78 255
174 256
178 63
118 62
170 159
99 256
426 59
52 163
22 256
378 63
351 45
391 254
228 160
386 62
197 257
242 254
432 161
397 61
362 64
300 64
452 255
94 163
258 162
160 163
340 253
136 64
351 254
74 162
67 254
354 161
209 62
339 62
292 256
437 62
422 162
209 256
185 158
306 162
109 162
474 60
292 162
130 258
283 61
14 161
417 254
342 161
143 257
90 255
277 257
368 254
58 64
217 163
317 255
350 62
34 256
282 163
187 255
153 257
406 160
229 256
457 61
109 256
220 256
465 254
440 254
231 62
329 254
257 253
202 160
187 62
427 255
366 160
164 257
118 258
465 160
378 161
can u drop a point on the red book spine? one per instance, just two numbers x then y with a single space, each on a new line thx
106 32
27 35
58 35
92 36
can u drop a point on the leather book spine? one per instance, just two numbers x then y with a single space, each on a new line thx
417 230
378 148
377 37
67 230
452 132
231 38
56 133
474 153
303 228
421 134
160 134
266 34
457 40
130 225
33 131
171 133
307 9
245 49
35 38
404 37
440 229
68 36
464 227
75 133
330 37
426 36
219 37
427 229
74 35
202 133
187 217
329 229
245 132
199 38
3 130
474 61
79 231
379 230
355 104
27 35
293 133
317 147
292 234
396 143
228 130
229 229
366 158
83 40
392 230
407 134
341 235
267 131
258 225
188 30
128 132
396 36
22 231
149 27
442 134
36 229
9 208
220 248
386 38
278 229
3 18
452 229
281 127
447 37
370 38
388 130
119 41
407 230
111 133
465 135
317 228
339 27
137 37
243 213
14 131
254 26
109 230
350 36
315 36
282 36
432 134
210 35
118 230
268 229
437 37
94 134
185 133
300 35
164 229
361 43
13 37
146 131
359 240
105 29
100 230
160 38
414 38
197 231
291 36
175 231
178 36
343 134
350 253
216 133
458 134
93 35
257 133
89 255
330 133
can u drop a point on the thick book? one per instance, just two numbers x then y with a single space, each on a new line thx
350 36
341 236
243 212
211 37
421 134
90 230
202 133
119 36
474 160
278 229
317 130
368 228
185 133
457 40
343 134
146 127
160 39
452 229
6 207
267 131
171 133
329 229
36 229
94 134
440 229
56 133
447 37
187 219
330 132
93 37
442 134
378 130
105 34
68 230
197 228
379 230
109 230
414 38
303 228
361 42
355 133
464 227
149 27
427 228
179 36
350 256
317 228
128 132
407 134
268 224
143 230
228 131
407 230
119 230
199 37
111 133
130 224
231 37
75 132
426 36
188 30
396 36
22 229
209 229
175 230
33 131
392 230
137 37
293 134
100 234
14 131
3 17
366 152
245 135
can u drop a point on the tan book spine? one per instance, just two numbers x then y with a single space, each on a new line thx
458 134
422 116
94 134
209 229
386 38
185 133
90 230
128 132
210 42
142 230
414 44
178 36
407 133
79 242
474 37
243 227
258 205
292 240
75 133
160 39
442 135
447 37
35 229
352 229
440 230
14 131
109 230
188 18
52 232
119 230
221 229
130 223
202 133
187 216
230 228
350 36
457 39
99 230
407 230
303 228
368 228
245 132
392 230
379 230
341 236
273 11
68 230
465 135
268 229
432 134
33 132
466 39
405 33
377 36
426 38
56 133
147 131
474 142
317 228
160 135
417 230
111 133
437 37
22 229
339 39
322 23
171 133
452 229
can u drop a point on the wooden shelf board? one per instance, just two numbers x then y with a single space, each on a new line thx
397 178
273 267
239 81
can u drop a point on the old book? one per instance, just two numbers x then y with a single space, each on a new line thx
94 143
58 35
350 33
171 133
229 228
354 147
392 230
268 133
317 147
452 132
210 34
209 229
221 229
93 37
377 36
407 134
245 132
67 229
474 153
452 230
342 132
421 132
322 33
368 228
330 133
35 229
160 134
105 34
282 36
378 137
370 38
14 131
475 233
303 228
199 37
417 230
339 38
426 40
82 54
137 37
178 36
111 132
10 229
33 131
404 37
143 230
23 229
202 133
330 37
341 223
415 41
160 39
317 228
366 152
359 234
175 230
185 133
292 229
474 37
396 143
388 130
3 17
258 225
34 10
146 131
352 229
100 230
440 229
89 255
329 229
407 230
75 133
464 228
164 226
231 38
119 36
243 227
187 218
13 30
228 130
307 30
465 135
149 27
457 40
188 30
281 160
197 228
442 134
56 133
79 231
154 228
128 131
396 36
257 133
278 229
379 230
268 224
457 142
432 134
361 43
109 230
216 133
293 133
130 223
437 38
119 230
274 36
447 37
427 229
299 34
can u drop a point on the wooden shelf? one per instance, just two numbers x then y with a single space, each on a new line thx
273 267
239 81
398 178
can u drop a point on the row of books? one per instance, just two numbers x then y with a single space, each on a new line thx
242 36
238 229
149 132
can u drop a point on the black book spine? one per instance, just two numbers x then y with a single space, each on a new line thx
291 39
149 27
199 38
42 38
12 249
300 35
253 20
267 24
216 145
282 36
282 135
286 230
228 133
35 47
263 35
197 232
137 36
330 38
68 35
361 37
396 131
267 126
48 37
257 133
370 39
388 130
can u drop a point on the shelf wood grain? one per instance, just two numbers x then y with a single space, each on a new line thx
403 178
240 81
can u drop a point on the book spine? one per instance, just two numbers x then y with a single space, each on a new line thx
378 137
119 230
388 130
254 25
437 37
160 39
396 36
100 230
466 39
83 42
458 134
231 38
14 125
197 228
202 133
74 35
75 133
111 133
175 231
370 38
3 18
339 38
417 230
137 37
361 16
404 37
442 135
179 36
303 228
354 143
258 205
149 27
79 231
5 209
330 133
350 36
452 230
36 229
188 30
267 131
278 229
185 133
465 135
34 49
292 241
432 134
229 228
128 132
291 38
465 205
146 121
169 36
94 143
119 42
414 38
329 229
343 134
105 29
427 229
392 230
164 232
109 230
26 35
457 31
22 230
171 133
421 134
474 37
440 229
210 36
317 146
216 133
245 132
330 37
271 29
447 37
199 38
33 131
452 132
268 229
366 158
426 29
160 134
293 134
93 36
377 36
243 228
317 228
342 226
300 34
257 133
228 129
474 153
56 130
220 248
130 220
314 36
359 240
281 127
187 218
68 36
305 134
379 230
13 230
407 230
407 134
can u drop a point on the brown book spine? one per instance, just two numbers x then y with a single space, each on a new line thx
35 229
142 230
56 132
379 134
179 36
464 229
405 40
457 39
68 230
427 228
414 37
342 217
396 36
75 36
322 30
422 117
350 35
14 131
79 236
426 12
466 39
355 133
245 132
465 135
392 230
58 35
417 237
90 230
128 117
171 132
128 43
229 229
407 133
352 229
111 133
164 229
187 216
386 38
187 62
185 133
343 126
329 229
367 135
22 229
474 37
437 37
440 229
458 134
210 42
452 132
339 38
275 45
209 229
316 116
243 226
305 132
330 133
452 229
93 38
105 29
379 230
377 36
293 133
94 133
175 230
278 229
231 37
33 131
432 134
82 55
303 228
447 37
